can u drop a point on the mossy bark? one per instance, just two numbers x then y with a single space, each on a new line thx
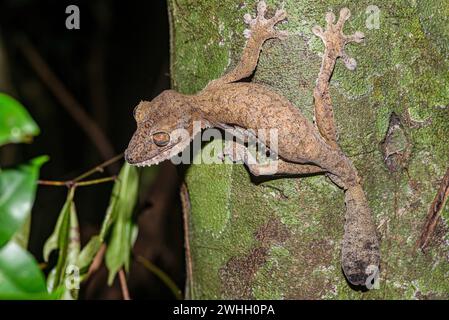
281 239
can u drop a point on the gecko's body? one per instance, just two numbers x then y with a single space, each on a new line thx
300 140
303 148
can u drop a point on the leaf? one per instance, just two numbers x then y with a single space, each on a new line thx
65 239
61 228
22 235
20 276
119 217
88 254
17 191
16 125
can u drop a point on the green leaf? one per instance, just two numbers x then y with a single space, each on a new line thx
20 276
17 191
21 237
16 125
88 253
65 239
119 217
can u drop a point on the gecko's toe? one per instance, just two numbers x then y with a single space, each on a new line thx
357 37
249 20
280 15
330 18
345 14
318 31
261 8
247 33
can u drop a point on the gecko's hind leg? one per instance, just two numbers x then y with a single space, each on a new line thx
360 247
334 41
260 29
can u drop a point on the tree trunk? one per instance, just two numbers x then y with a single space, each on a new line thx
281 239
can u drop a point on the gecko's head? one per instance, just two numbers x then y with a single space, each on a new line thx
164 129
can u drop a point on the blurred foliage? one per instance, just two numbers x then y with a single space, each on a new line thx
119 215
16 125
66 239
96 53
17 191
20 276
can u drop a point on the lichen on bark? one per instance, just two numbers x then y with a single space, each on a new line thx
281 239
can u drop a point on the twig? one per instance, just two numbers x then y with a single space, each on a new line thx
434 212
71 183
77 181
98 168
123 285
96 181
67 100
162 276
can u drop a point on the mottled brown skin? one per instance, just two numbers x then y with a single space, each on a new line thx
303 148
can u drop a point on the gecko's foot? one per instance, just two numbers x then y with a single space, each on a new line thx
335 40
262 28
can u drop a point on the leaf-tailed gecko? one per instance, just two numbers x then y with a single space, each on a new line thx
303 148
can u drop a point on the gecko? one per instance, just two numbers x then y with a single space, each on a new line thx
304 147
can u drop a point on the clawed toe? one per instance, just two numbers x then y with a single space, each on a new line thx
279 16
356 37
261 8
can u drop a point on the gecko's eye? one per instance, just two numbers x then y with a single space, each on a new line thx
161 139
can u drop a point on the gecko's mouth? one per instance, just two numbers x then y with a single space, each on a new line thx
156 159
164 154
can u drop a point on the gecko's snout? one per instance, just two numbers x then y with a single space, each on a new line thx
129 157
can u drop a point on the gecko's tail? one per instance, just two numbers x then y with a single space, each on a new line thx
360 249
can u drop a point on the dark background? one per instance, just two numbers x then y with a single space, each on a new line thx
119 56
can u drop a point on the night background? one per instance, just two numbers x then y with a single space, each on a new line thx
119 56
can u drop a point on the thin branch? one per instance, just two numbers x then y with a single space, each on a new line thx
53 183
66 98
98 168
124 285
93 182
77 181
70 183
434 212
162 276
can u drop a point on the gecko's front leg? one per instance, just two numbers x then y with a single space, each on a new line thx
260 30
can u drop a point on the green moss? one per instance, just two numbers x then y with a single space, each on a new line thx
266 284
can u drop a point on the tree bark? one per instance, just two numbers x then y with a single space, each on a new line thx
281 239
